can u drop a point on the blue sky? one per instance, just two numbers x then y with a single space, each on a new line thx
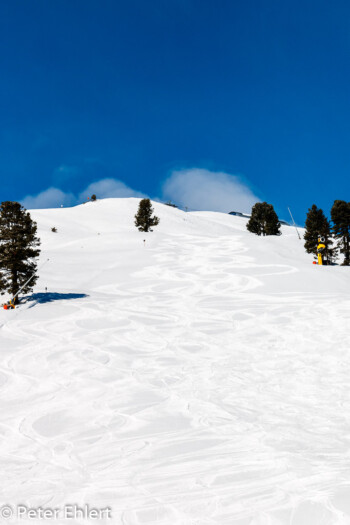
140 92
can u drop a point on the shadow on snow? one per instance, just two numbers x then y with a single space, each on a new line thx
50 297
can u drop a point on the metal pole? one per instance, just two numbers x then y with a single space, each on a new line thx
25 284
295 226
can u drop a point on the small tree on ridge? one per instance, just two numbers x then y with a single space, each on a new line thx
143 218
264 220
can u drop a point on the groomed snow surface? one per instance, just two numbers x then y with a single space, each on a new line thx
200 377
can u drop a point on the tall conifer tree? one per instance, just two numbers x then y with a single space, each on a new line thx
340 214
19 246
317 225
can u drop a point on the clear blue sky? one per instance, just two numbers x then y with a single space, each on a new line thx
132 90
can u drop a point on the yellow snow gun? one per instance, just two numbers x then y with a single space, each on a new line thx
320 249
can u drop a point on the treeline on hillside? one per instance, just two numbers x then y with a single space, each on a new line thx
336 233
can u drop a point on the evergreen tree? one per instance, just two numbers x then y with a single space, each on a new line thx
340 214
143 218
317 225
18 248
264 220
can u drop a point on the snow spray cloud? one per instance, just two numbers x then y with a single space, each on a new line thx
54 197
201 189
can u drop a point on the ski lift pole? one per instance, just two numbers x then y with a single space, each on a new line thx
25 284
295 226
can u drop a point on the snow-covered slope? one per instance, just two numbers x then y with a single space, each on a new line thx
194 375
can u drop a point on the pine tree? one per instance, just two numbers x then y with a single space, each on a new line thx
18 248
340 214
143 218
264 220
317 225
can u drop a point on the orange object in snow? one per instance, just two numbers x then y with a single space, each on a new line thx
9 306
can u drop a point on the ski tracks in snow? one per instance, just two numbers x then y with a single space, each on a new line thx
182 395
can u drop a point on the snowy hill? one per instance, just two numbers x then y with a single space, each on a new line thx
201 377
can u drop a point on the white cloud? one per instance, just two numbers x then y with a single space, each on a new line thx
54 197
201 189
50 198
